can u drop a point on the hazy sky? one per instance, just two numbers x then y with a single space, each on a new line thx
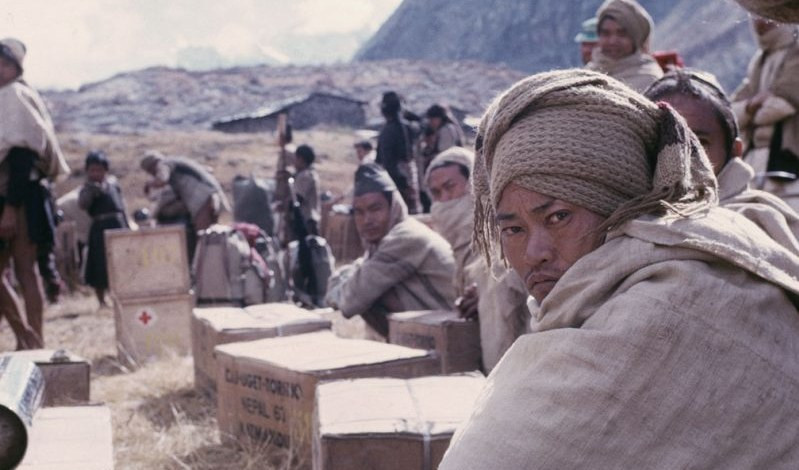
72 42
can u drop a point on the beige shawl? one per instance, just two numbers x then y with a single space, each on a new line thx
673 345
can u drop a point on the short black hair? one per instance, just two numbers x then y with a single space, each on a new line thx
96 157
464 170
364 144
702 86
306 153
391 104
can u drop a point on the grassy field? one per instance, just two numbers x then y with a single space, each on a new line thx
159 420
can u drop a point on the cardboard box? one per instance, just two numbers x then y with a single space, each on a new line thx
211 327
455 340
390 423
154 327
66 376
70 438
148 262
266 388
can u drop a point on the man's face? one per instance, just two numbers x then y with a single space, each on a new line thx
703 121
96 173
360 152
447 183
372 216
8 71
542 237
614 41
586 49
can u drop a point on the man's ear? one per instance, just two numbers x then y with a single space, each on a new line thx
738 147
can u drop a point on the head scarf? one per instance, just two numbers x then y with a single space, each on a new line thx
13 50
458 155
786 11
633 17
372 178
589 140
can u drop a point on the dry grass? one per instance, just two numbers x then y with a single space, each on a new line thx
159 420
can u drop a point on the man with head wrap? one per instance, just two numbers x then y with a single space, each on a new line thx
668 328
766 105
624 31
496 296
700 99
407 266
786 11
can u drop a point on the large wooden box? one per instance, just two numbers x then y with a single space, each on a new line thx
211 327
147 263
456 341
70 438
154 327
266 388
390 424
66 376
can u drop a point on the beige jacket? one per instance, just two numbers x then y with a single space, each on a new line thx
410 269
773 215
673 345
638 71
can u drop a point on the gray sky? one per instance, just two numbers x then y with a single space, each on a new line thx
72 42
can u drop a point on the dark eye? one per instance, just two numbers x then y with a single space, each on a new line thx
511 230
559 216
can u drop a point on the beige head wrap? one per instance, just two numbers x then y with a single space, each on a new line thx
632 16
589 140
458 155
786 11
14 50
150 159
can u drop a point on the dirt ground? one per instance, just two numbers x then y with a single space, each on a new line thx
159 419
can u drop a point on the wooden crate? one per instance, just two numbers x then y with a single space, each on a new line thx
390 424
66 376
70 438
152 328
266 388
148 262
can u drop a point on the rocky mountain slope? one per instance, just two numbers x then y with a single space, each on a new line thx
163 98
536 35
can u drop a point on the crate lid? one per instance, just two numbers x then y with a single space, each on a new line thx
318 352
428 317
47 356
423 406
263 316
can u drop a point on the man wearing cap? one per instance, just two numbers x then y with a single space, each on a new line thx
667 330
624 28
766 105
496 296
395 151
587 39
29 157
406 266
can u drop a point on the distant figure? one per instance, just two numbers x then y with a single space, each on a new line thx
407 266
496 296
443 132
786 11
700 99
29 157
587 39
766 105
68 205
188 189
624 29
101 198
365 152
395 151
306 188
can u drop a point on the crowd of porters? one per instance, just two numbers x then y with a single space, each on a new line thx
624 235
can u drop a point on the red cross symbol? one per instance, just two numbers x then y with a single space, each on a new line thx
145 317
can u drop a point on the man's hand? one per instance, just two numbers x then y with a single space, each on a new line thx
467 303
8 223
756 102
